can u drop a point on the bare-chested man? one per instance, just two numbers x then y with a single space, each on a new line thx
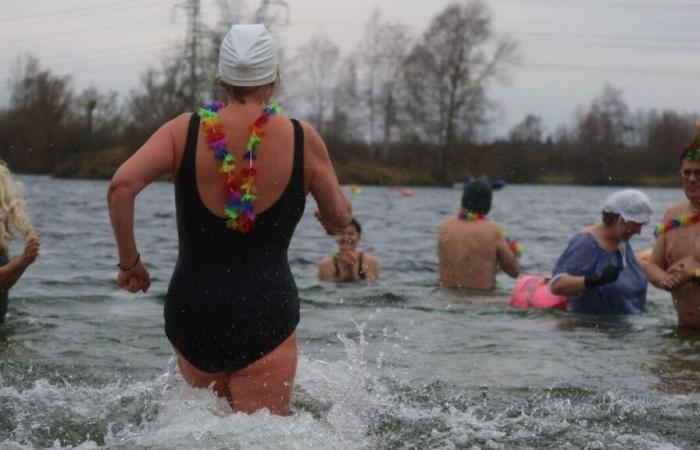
472 248
675 261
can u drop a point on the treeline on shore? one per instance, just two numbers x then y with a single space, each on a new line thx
401 109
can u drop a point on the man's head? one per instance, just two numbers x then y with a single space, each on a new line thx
477 197
690 168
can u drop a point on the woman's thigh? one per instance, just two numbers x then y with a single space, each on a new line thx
266 383
196 378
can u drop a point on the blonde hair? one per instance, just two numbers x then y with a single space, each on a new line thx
13 216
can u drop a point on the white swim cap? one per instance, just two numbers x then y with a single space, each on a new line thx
247 56
631 204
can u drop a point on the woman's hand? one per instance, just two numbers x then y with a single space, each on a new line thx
347 263
31 250
134 280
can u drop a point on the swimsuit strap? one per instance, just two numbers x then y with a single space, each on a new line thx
186 175
337 267
361 273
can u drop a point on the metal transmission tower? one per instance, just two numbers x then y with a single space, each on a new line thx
261 13
192 44
193 32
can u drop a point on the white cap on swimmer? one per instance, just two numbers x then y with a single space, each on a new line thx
631 204
247 56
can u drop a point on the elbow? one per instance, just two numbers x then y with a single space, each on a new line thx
120 188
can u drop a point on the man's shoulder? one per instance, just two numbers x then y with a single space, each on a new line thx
676 209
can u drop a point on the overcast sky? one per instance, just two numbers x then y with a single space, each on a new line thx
569 48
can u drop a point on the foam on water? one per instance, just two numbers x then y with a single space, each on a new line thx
331 409
345 404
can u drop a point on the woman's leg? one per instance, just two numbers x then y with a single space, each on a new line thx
267 383
196 378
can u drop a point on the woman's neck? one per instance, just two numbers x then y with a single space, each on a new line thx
609 234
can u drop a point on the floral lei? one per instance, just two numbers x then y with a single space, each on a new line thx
239 196
515 246
677 222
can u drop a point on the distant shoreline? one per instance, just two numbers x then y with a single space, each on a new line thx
101 165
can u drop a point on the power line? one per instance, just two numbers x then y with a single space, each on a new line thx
99 9
56 36
694 74
614 4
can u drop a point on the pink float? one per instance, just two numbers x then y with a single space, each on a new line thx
532 291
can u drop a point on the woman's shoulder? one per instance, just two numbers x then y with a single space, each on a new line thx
584 239
370 258
326 260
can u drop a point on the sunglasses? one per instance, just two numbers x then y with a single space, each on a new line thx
686 173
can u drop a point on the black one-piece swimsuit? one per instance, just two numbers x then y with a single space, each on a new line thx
232 297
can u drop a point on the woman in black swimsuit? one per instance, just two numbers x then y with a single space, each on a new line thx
349 264
232 307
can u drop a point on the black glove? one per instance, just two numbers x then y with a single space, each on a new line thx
608 275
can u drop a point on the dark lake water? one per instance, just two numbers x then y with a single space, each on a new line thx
399 364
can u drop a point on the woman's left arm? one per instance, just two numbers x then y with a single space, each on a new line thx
11 272
154 159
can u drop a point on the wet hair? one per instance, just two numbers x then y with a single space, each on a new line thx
13 216
357 226
477 197
609 218
239 93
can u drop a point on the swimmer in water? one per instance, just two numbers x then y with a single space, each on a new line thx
470 247
232 307
13 218
675 261
598 271
349 264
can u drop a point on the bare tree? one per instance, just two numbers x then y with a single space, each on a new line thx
530 130
601 132
40 104
381 54
314 73
447 73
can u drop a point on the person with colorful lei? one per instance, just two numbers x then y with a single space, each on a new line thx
349 264
241 172
472 248
675 259
598 271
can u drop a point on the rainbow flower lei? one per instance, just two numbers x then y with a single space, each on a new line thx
516 247
677 222
239 197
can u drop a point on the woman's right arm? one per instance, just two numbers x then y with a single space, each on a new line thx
154 159
568 285
334 207
571 268
13 270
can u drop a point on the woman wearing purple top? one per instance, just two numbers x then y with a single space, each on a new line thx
598 271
